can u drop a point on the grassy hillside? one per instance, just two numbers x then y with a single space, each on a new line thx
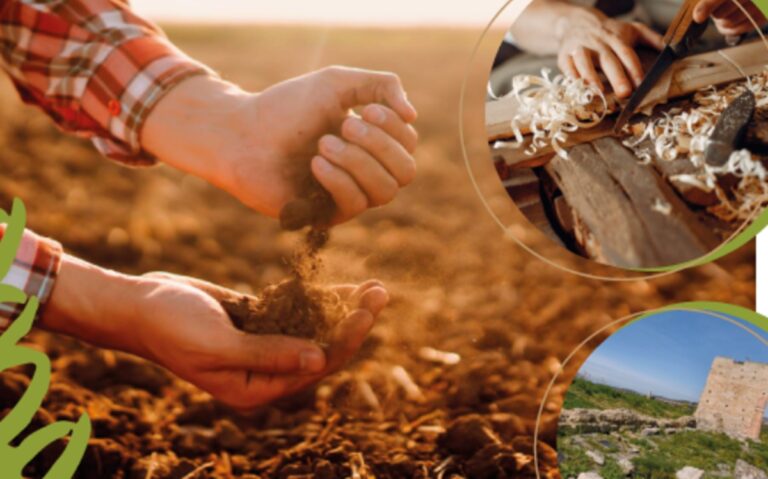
590 395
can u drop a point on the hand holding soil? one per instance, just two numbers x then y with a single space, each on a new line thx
183 324
249 370
254 146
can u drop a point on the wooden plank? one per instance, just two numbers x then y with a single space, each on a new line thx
677 236
600 203
614 196
685 77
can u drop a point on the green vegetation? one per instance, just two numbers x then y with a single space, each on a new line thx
611 470
574 459
660 457
686 449
653 457
589 395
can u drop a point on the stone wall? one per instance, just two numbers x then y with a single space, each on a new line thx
734 399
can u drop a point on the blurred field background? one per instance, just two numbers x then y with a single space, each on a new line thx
457 285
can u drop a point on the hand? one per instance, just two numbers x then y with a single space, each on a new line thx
248 144
590 41
729 19
187 331
164 319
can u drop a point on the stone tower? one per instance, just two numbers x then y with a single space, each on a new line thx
734 399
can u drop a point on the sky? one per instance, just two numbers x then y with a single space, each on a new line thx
359 12
669 354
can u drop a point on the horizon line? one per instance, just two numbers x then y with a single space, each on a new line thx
175 21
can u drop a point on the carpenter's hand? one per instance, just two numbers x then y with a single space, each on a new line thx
728 17
248 144
591 42
187 331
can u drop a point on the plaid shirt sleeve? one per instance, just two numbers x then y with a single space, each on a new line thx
33 271
93 66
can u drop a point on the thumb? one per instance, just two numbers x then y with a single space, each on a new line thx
269 354
704 9
361 87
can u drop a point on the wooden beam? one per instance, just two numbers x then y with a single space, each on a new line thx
618 199
683 78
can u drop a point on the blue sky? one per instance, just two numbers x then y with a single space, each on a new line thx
669 354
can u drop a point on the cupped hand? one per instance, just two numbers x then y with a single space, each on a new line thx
253 145
592 42
185 330
729 18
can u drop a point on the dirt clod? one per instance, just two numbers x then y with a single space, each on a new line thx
467 435
493 461
289 308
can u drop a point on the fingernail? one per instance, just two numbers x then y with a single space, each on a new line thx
324 165
377 115
334 144
357 127
311 361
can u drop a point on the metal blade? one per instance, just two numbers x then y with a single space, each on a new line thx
729 129
662 63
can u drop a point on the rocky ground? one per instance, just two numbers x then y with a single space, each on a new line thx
620 443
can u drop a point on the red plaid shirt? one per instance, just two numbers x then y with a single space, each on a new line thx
97 70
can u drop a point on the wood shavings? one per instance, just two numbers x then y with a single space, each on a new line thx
750 195
685 134
662 207
405 381
551 108
441 357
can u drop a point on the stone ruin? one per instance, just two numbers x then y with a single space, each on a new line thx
734 399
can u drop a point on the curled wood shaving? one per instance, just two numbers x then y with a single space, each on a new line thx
551 108
662 206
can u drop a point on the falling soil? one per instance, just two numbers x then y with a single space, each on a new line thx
295 306
314 207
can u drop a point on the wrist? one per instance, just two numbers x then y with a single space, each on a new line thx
190 127
94 304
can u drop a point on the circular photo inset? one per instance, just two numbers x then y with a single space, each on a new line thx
678 395
633 132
